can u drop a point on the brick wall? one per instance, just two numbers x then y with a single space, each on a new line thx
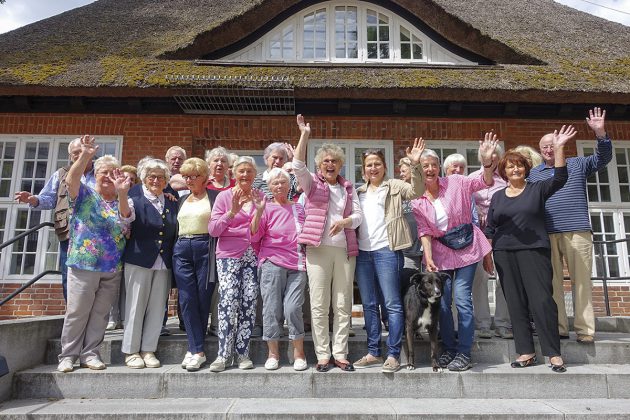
154 134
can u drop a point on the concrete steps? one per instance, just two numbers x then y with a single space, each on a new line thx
310 408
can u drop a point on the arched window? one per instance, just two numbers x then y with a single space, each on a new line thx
346 32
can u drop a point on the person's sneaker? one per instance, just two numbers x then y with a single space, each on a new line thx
196 362
504 332
364 362
484 333
445 359
257 331
300 364
94 363
218 365
272 364
460 363
164 332
134 361
66 365
186 360
391 365
585 338
245 363
150 360
111 326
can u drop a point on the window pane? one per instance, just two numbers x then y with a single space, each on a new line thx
622 173
384 51
371 50
405 51
383 33
31 149
417 51
9 151
621 156
404 35
371 33
371 17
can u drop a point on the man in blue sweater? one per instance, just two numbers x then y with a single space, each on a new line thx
568 224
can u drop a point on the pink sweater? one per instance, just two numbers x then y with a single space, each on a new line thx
277 233
234 234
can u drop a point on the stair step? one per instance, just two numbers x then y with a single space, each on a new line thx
171 381
608 348
313 408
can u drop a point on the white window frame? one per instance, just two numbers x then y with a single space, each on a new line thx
614 207
430 49
350 146
13 207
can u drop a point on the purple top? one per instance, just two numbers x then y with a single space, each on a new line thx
234 234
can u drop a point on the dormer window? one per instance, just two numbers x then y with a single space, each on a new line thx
346 32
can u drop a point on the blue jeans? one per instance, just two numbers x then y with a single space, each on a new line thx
63 257
461 283
190 267
381 269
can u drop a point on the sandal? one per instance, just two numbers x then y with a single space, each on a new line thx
322 367
558 368
345 366
524 363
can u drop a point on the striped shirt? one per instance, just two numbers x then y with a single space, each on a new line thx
455 193
567 209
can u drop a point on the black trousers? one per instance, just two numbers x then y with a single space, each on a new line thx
526 277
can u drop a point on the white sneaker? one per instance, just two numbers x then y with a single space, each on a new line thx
66 365
186 360
196 361
150 360
134 361
111 325
270 364
300 364
218 365
94 363
245 363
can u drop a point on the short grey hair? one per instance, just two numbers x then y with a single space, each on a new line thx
454 158
106 160
404 161
216 152
73 143
175 149
245 160
498 150
272 148
143 162
277 173
329 149
430 153
152 165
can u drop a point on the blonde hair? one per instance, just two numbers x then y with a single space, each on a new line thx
194 165
329 149
530 154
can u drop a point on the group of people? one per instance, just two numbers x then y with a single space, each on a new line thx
282 237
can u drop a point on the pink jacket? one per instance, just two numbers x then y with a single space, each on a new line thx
317 211
234 234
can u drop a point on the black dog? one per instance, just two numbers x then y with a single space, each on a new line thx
422 293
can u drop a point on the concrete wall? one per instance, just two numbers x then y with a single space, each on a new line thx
23 343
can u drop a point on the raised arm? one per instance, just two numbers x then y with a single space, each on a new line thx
122 183
305 132
416 188
73 179
596 120
560 139
603 154
486 148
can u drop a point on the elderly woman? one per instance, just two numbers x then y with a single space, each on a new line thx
236 266
483 320
148 262
522 252
332 215
455 164
193 260
97 239
382 236
453 244
218 160
276 226
275 155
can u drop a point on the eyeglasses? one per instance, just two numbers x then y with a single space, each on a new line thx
190 177
156 177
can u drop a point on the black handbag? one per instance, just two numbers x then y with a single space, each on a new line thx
458 237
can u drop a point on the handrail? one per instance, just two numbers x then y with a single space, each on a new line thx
23 234
28 284
37 277
602 268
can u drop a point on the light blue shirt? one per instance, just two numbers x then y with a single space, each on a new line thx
48 195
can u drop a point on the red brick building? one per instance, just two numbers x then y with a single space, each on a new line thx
145 75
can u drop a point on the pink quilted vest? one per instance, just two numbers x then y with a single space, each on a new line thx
317 211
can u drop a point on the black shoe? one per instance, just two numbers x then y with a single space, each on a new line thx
460 363
445 359
524 363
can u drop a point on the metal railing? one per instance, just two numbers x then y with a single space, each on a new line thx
603 268
37 277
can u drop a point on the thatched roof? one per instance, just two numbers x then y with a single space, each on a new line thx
122 48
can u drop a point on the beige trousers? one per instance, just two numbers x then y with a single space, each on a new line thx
577 249
90 297
330 278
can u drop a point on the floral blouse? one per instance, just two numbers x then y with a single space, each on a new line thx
97 233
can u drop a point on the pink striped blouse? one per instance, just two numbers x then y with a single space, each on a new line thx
455 193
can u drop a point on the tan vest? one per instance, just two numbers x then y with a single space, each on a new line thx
61 215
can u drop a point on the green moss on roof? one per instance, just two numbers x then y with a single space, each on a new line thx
36 74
